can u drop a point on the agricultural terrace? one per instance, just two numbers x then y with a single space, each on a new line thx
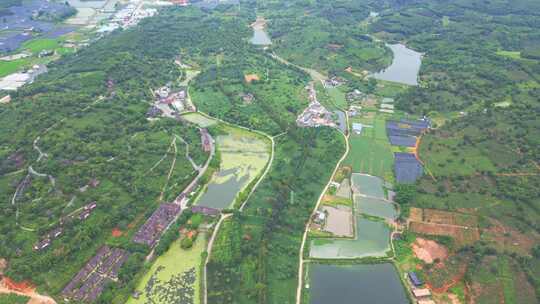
175 277
243 156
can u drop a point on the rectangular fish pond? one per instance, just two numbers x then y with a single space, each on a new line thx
372 239
375 207
368 185
354 284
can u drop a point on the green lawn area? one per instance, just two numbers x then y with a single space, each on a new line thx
8 67
175 277
338 96
37 45
371 152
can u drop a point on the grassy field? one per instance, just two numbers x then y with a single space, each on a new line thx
8 67
38 45
174 277
199 119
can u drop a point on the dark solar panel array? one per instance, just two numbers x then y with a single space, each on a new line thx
407 168
405 141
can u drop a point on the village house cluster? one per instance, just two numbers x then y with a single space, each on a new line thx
151 231
315 115
128 16
101 269
334 82
169 103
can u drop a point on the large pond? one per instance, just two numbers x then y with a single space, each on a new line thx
373 284
372 240
260 37
404 68
243 157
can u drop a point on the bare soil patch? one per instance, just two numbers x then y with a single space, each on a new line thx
339 221
8 286
251 77
462 235
429 251
116 233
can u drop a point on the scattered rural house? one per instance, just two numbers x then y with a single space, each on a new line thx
163 92
84 215
153 112
334 82
5 99
205 210
414 279
421 293
355 96
42 244
206 140
319 217
315 115
357 128
46 53
247 98
91 206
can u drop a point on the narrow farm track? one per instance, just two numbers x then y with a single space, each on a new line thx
304 237
208 250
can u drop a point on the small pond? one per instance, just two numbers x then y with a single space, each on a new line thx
404 68
260 37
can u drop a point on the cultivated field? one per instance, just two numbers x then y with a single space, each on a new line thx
200 120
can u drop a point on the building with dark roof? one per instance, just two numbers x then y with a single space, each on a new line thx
415 280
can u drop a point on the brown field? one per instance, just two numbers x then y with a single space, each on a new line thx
429 251
416 215
449 218
462 235
251 77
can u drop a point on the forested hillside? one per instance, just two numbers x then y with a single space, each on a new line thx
480 85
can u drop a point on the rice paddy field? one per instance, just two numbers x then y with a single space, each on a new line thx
243 157
174 277
372 240
368 283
